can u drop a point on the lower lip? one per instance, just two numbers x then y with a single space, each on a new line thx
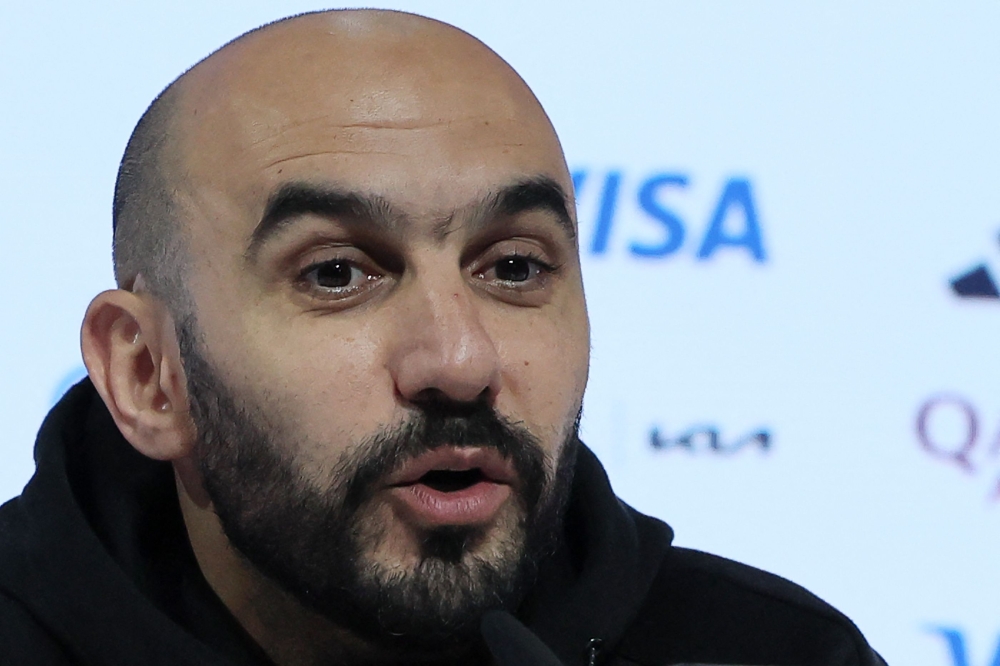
476 505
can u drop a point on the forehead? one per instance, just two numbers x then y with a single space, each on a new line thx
422 115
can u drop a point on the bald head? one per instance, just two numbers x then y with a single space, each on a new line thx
318 85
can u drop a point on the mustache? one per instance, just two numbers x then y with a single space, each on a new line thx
444 424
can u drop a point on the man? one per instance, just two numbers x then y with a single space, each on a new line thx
332 409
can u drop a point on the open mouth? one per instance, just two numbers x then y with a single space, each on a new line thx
450 469
450 481
452 486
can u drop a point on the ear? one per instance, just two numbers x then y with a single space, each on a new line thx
130 349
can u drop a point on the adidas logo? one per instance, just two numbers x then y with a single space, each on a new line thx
977 282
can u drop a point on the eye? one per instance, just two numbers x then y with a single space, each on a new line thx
516 270
335 274
337 277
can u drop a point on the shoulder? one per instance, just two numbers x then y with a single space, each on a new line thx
706 609
23 640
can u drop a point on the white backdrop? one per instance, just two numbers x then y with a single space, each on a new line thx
774 200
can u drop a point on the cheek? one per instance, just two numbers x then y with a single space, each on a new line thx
325 382
545 362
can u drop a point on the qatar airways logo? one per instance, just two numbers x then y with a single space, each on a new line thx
660 215
959 432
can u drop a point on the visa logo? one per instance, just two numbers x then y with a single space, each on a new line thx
732 224
957 647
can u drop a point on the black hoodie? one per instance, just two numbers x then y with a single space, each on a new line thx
96 568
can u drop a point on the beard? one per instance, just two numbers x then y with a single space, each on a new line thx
326 544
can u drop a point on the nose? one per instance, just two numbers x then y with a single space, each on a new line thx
443 351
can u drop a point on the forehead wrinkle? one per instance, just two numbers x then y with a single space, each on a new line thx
360 129
281 142
292 158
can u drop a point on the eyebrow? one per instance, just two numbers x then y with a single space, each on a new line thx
295 199
538 193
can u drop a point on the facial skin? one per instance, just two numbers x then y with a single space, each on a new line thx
371 240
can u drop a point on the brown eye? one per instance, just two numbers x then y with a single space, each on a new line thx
338 278
516 276
333 274
514 269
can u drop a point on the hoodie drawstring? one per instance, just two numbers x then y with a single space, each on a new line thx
594 646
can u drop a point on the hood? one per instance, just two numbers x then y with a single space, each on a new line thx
91 549
90 483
